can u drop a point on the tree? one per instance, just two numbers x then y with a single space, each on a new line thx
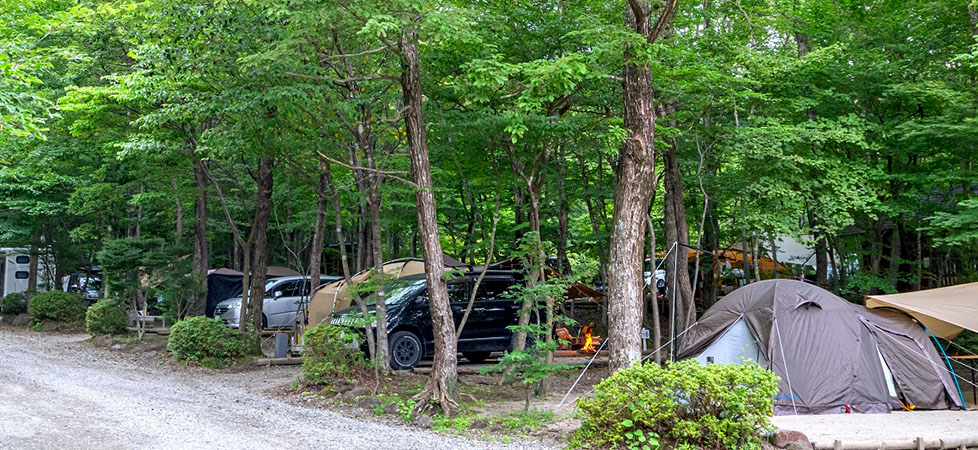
636 176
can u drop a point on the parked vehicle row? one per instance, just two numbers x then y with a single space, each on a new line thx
409 325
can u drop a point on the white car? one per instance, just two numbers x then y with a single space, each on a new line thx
285 300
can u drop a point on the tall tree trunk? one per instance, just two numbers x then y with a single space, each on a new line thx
654 293
442 385
564 266
178 227
821 260
201 257
973 16
139 213
876 252
34 254
338 223
344 258
519 339
251 329
382 359
894 259
318 232
678 232
518 209
636 174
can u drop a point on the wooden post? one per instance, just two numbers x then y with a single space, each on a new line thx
837 445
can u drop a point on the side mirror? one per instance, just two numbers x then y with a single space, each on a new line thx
278 294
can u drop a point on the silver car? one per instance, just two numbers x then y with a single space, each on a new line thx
285 300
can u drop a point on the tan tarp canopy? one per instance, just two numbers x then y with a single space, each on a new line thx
332 297
945 311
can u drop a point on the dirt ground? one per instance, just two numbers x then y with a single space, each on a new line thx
57 391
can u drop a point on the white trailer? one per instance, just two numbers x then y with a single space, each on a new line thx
15 266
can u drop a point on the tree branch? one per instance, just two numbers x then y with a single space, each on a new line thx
395 174
375 76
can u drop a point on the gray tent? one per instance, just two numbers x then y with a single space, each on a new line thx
832 356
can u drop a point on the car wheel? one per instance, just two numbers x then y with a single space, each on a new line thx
476 357
406 350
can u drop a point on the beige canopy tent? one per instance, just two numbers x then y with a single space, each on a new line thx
332 297
945 311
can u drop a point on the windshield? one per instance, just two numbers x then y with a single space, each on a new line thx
399 290
268 287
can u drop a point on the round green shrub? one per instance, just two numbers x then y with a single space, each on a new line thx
201 338
681 405
329 351
106 316
57 305
14 304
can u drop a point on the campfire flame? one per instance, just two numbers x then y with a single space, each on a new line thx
588 339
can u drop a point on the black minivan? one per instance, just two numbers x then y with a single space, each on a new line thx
409 325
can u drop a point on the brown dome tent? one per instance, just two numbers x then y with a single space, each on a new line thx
832 356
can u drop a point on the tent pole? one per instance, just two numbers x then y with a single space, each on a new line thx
791 392
964 404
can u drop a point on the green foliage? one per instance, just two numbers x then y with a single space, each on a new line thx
684 405
205 340
528 366
328 352
178 283
57 306
127 262
106 316
15 303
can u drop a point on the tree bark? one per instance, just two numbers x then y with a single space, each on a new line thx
442 385
654 293
201 257
252 308
894 258
178 227
34 254
636 174
373 203
678 232
563 232
318 232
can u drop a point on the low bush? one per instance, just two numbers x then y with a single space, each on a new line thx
13 304
681 405
106 316
57 305
330 351
205 340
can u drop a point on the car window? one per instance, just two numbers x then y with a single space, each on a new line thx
457 293
291 289
496 289
399 290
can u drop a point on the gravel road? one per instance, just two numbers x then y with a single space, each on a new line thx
59 392
895 426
